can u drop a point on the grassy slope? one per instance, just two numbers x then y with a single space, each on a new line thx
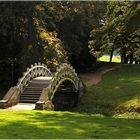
119 91
118 88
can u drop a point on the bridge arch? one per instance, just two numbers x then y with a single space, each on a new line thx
64 73
34 71
66 96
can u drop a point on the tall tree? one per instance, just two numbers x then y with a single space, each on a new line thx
121 23
24 39
73 22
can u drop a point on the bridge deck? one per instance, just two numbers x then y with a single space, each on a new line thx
43 78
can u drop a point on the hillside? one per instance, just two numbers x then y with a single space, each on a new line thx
118 92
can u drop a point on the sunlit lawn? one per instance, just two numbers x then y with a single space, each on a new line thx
106 58
43 124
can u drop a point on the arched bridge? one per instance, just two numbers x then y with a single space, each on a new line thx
58 91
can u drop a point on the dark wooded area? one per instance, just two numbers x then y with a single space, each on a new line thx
73 32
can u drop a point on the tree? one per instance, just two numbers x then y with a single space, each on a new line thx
73 22
24 40
121 23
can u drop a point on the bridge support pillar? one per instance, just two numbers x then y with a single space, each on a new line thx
11 98
48 105
3 104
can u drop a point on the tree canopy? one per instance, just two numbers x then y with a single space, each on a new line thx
77 32
121 28
48 32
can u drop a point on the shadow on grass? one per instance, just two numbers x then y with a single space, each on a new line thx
118 92
37 124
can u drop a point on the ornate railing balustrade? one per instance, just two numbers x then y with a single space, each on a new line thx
64 72
34 71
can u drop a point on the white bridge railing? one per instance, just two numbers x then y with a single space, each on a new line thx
65 72
34 71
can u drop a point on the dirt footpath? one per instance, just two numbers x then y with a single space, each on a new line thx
93 78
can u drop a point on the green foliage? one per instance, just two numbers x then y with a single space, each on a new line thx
25 40
121 27
73 24
48 32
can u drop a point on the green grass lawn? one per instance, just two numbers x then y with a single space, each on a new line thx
43 124
108 110
106 58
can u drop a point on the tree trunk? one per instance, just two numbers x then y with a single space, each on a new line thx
126 58
131 58
111 54
136 61
123 56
